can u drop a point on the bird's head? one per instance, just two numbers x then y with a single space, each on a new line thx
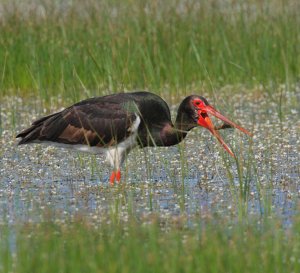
197 110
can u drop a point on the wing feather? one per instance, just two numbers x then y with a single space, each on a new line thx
98 122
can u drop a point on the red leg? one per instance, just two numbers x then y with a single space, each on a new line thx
112 178
115 175
118 176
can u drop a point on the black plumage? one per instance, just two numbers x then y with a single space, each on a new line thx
121 121
103 121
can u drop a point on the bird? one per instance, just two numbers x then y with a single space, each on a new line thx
115 124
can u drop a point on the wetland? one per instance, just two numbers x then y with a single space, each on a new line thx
186 208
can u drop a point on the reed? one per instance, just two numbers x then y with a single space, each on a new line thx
92 48
79 247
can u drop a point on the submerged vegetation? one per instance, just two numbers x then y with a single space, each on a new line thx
189 208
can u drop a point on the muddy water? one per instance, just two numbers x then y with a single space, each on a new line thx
196 179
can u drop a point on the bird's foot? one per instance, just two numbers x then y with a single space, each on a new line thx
115 175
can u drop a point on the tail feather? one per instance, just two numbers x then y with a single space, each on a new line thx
30 134
34 132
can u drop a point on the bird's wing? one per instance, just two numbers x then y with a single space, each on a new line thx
98 122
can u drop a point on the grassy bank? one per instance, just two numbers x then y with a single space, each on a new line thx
81 49
81 247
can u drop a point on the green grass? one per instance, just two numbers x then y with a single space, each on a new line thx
81 247
101 47
173 48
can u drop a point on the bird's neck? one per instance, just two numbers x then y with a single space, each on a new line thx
174 134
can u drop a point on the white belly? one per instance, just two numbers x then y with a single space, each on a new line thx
116 155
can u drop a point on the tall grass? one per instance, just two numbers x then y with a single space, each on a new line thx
83 48
81 247
80 49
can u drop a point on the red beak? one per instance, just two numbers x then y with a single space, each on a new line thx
205 121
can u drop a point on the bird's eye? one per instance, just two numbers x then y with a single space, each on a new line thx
197 102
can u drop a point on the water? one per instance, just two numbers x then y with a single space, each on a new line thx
190 179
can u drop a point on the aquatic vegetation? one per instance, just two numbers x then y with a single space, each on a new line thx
196 177
81 49
79 246
188 208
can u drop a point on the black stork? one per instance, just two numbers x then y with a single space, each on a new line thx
116 123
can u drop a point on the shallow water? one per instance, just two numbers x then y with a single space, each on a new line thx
190 179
